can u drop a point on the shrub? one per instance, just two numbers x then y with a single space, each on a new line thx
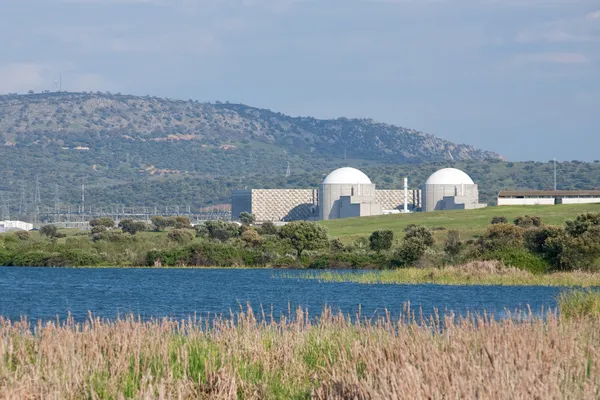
520 258
453 246
98 229
104 222
381 240
499 236
337 246
132 227
22 235
222 230
582 223
252 238
180 222
246 218
528 222
49 230
181 235
420 233
160 223
499 220
579 304
268 228
409 253
201 230
304 235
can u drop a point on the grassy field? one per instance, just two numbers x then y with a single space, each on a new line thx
474 273
468 222
300 358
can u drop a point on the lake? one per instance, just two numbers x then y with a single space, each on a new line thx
48 293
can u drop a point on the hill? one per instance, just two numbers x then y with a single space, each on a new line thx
152 152
468 222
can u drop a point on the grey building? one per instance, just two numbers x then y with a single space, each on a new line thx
344 193
451 189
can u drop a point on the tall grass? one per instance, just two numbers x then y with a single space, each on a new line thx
580 303
473 273
325 358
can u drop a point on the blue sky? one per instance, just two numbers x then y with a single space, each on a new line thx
519 77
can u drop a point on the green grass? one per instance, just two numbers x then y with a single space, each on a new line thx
468 222
458 276
579 303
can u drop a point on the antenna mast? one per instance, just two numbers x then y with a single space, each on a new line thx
83 195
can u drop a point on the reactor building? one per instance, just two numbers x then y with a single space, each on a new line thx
450 189
344 193
348 192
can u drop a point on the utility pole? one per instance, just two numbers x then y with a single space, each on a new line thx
83 195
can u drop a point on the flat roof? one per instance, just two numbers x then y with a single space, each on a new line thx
549 193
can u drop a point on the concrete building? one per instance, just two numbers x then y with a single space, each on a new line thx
7 226
451 189
344 193
347 192
547 197
276 204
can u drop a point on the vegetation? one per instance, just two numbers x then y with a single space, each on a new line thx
144 151
297 357
580 304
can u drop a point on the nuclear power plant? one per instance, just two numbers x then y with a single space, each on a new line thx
348 192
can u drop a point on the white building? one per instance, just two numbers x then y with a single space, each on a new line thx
7 226
450 189
547 197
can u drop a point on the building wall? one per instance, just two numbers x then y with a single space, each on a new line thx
394 199
527 201
465 194
275 204
329 195
241 201
9 225
580 200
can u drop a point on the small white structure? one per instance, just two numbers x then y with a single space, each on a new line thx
451 189
347 192
7 226
547 197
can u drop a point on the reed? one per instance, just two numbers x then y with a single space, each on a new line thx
473 273
328 357
580 304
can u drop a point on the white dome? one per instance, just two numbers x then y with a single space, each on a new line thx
346 175
449 176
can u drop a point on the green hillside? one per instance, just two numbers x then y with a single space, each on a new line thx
469 222
144 151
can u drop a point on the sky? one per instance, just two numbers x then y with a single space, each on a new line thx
518 77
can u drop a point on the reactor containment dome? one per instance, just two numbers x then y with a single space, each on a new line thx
451 189
347 192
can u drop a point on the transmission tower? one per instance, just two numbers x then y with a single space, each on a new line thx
288 171
57 198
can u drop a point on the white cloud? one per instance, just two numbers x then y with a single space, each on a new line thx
593 15
552 58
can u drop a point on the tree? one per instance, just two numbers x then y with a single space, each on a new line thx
49 230
381 240
105 222
160 223
304 235
222 230
132 227
410 252
247 218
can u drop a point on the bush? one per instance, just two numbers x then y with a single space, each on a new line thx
381 240
180 222
304 235
268 228
252 238
499 220
104 222
49 230
132 227
528 222
181 235
519 258
500 236
98 229
160 223
246 218
23 236
409 253
453 246
419 232
222 230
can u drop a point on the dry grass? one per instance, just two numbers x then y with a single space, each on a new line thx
325 358
473 273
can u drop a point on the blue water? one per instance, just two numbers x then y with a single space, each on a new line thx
48 293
